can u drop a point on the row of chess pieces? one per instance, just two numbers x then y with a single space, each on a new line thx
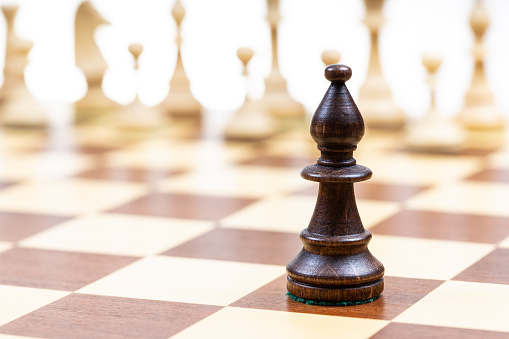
480 124
256 119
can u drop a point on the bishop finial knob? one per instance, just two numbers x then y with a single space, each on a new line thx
338 73
479 20
178 12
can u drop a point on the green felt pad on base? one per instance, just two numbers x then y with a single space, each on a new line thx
331 303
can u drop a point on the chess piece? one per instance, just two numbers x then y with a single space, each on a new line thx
434 132
276 97
19 107
335 264
90 60
330 56
136 115
479 112
375 99
180 102
15 60
252 121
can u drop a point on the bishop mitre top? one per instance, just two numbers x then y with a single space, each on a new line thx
337 125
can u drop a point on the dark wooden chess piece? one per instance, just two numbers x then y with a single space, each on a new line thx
335 264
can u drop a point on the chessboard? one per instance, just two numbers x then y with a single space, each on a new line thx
107 233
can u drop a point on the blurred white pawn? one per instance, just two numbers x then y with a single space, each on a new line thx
329 57
252 121
375 99
136 115
434 132
19 107
276 97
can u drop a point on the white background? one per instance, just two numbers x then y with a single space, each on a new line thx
214 29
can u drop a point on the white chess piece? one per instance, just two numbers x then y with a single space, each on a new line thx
330 56
180 102
252 121
90 60
15 56
480 112
276 97
136 115
434 132
375 98
19 108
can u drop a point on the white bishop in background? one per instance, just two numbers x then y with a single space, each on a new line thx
252 121
480 112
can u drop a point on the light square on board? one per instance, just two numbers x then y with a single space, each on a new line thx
187 280
232 322
118 234
292 213
243 181
464 305
102 135
20 141
374 211
504 243
43 165
297 134
417 169
4 246
92 316
499 159
68 197
160 161
275 213
464 197
174 155
18 301
301 146
426 258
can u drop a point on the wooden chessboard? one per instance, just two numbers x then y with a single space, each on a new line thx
109 234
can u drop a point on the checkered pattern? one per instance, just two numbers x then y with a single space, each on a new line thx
120 235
